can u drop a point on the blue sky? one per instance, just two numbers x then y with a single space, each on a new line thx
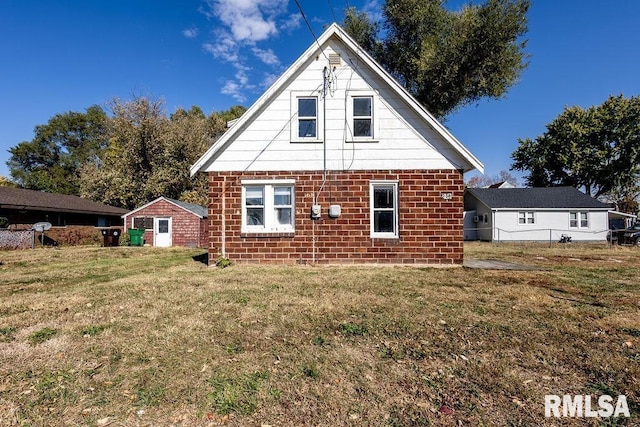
66 55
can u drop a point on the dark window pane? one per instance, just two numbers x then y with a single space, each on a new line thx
307 128
255 216
307 107
283 216
362 127
281 196
383 197
362 107
383 222
163 226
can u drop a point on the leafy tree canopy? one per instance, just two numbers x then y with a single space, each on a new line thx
150 154
596 149
447 59
50 161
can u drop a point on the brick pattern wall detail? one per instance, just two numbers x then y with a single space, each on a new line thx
188 229
430 227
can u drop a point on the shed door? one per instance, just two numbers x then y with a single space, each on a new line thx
162 232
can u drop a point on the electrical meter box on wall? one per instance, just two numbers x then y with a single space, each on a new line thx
334 211
316 211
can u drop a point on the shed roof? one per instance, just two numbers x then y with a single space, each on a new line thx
22 199
536 198
197 210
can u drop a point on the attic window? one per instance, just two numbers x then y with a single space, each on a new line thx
362 118
306 118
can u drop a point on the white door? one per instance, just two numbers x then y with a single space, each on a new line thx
162 232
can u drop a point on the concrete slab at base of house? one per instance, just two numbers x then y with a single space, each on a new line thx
492 264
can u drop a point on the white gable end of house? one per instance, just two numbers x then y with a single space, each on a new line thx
403 135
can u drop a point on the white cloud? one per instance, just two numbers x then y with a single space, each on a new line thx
249 20
373 9
234 90
268 80
293 22
244 24
190 33
266 55
224 48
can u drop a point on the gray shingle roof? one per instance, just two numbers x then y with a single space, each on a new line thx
536 198
191 207
19 198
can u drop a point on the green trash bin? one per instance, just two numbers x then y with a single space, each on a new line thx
136 236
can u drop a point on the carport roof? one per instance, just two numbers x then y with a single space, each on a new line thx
536 198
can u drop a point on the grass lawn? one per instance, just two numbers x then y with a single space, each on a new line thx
142 336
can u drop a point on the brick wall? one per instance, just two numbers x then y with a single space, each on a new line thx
430 228
187 228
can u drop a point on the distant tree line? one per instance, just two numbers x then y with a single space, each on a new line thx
595 149
126 158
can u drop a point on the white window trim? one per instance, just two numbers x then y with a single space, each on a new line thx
295 95
269 207
375 128
579 220
527 215
396 225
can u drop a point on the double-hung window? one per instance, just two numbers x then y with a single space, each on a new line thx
579 219
526 218
268 206
361 117
306 117
383 197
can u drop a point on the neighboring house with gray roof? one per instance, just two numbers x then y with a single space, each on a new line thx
169 222
533 214
23 208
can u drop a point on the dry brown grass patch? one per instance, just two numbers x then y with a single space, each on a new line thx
152 337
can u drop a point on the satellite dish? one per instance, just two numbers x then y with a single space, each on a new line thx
41 226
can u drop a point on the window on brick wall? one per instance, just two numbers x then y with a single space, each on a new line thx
268 206
383 196
143 222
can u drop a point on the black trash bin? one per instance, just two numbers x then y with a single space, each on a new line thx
110 237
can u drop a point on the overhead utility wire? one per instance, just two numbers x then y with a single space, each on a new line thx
332 11
310 29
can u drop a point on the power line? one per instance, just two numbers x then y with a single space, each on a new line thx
310 29
332 11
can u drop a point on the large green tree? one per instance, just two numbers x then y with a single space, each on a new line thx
596 149
51 160
447 59
150 153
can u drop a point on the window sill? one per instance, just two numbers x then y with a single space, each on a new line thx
265 234
383 237
360 141
306 141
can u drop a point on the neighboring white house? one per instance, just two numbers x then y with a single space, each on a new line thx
534 214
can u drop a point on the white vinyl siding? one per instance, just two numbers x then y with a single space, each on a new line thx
383 196
526 218
268 206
